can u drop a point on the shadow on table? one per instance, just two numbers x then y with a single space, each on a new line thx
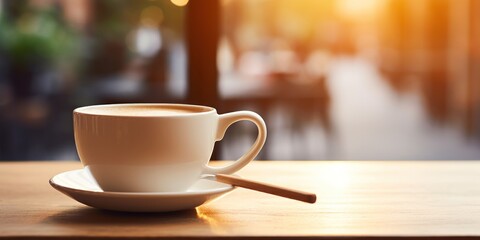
202 219
91 216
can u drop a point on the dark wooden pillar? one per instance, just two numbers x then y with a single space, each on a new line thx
203 30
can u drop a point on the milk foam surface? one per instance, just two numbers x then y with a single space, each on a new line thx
140 110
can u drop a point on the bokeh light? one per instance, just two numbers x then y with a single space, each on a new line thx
179 3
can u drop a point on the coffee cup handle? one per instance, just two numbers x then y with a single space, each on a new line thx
225 120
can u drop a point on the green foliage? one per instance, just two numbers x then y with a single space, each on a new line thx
37 34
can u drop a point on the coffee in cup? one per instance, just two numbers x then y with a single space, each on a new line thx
155 147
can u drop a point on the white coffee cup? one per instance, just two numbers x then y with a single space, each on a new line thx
155 147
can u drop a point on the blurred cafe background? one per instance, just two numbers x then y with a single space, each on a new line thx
334 79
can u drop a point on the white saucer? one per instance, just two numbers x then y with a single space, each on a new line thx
80 185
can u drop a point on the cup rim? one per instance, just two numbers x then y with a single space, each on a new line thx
201 110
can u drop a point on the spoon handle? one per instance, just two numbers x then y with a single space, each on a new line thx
267 188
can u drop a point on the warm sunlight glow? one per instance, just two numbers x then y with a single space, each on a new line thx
336 182
358 9
337 176
179 3
215 225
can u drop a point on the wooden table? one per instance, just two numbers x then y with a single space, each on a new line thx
355 199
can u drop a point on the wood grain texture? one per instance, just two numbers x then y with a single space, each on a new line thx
361 199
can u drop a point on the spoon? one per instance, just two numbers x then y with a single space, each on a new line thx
264 187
